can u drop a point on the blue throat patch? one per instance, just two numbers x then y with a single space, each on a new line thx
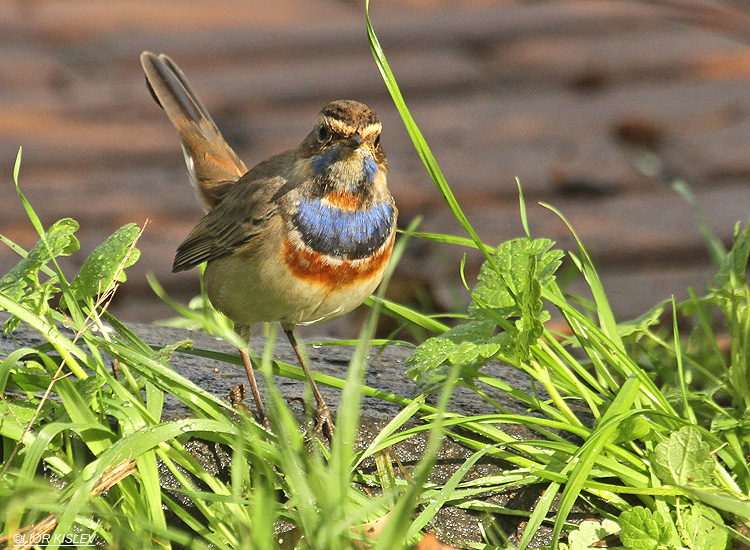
322 161
369 168
352 234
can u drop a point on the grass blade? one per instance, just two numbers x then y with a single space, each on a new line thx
420 144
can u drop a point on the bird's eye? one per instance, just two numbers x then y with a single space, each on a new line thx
324 133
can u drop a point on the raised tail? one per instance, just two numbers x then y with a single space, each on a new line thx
212 164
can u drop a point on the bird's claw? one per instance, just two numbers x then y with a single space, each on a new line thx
324 421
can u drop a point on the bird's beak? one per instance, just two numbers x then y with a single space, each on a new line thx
353 141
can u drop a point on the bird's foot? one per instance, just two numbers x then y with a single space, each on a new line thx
236 398
324 421
261 418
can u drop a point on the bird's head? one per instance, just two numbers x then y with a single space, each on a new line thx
344 149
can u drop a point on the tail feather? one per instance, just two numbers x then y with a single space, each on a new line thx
179 100
212 164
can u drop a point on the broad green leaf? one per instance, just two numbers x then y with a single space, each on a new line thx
633 428
21 284
164 354
22 411
36 300
531 324
100 268
501 286
721 499
642 529
685 458
60 241
432 380
589 533
470 345
734 266
435 351
636 327
703 528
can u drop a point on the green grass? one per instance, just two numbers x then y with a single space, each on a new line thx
642 422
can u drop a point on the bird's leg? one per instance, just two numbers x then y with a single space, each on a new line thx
323 418
254 386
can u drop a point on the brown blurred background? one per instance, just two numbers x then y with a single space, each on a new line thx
595 105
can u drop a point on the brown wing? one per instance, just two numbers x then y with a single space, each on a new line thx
241 215
212 164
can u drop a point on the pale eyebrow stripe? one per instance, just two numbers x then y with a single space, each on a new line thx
371 129
335 124
339 126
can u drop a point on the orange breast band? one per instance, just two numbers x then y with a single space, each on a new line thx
343 200
314 267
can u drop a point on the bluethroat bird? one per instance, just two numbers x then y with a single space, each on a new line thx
302 237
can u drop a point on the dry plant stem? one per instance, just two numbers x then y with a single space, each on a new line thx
109 479
105 298
404 472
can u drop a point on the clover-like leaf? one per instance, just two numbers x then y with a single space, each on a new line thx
642 529
684 458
